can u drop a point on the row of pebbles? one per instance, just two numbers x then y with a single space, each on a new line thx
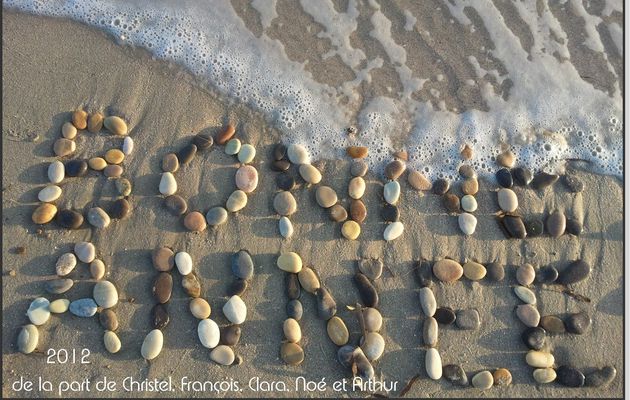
104 299
284 202
246 179
110 164
351 229
391 195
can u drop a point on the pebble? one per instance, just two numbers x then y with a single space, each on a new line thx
123 186
184 263
573 183
525 295
358 168
539 359
468 319
295 309
326 196
570 376
350 230
467 152
544 375
363 366
358 212
441 186
371 267
235 310
356 187
285 182
58 286
97 163
525 274
528 315
159 316
470 186
337 213
203 141
79 119
246 178
187 154
27 339
357 151
542 180
373 345
163 259
547 274
115 125
237 287
552 324
63 147
114 156
514 226
68 130
168 184
191 285
291 353
69 219
418 181
280 165
127 146
522 176
65 264
195 221
49 194
44 213
284 203
163 287
113 171
427 301
474 271
289 262
577 323
292 331
76 168
372 319
216 216
467 171
600 377
393 231
433 364
367 291
292 284
308 280
507 200
84 308
556 224
230 335
286 227
105 294
59 306
209 333
575 272
391 192
326 305
430 332
152 344
279 152
389 213
451 202
246 154
98 218
534 227
502 377
455 374
337 331
574 227
120 209
496 272
56 172
482 380
222 355
447 270
242 264
298 154
177 206
534 337
506 159
394 169
504 178
467 223
445 315
112 342
170 163
108 320
38 311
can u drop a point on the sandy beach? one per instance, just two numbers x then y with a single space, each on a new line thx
52 66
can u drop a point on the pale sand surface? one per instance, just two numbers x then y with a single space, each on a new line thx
50 67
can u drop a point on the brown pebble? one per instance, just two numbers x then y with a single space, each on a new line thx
203 141
467 152
186 154
163 259
451 202
402 155
441 186
63 147
337 213
163 287
19 250
191 285
120 209
280 165
226 134
467 171
358 212
418 181
44 213
170 163
394 169
113 171
506 159
108 320
470 186
447 270
97 163
176 205
95 123
79 119
195 222
291 353
502 377
552 324
114 156
357 151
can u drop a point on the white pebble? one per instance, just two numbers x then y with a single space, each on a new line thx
235 310
65 264
184 263
49 194
209 333
467 223
168 184
85 251
152 344
356 187
39 312
469 203
433 364
246 154
507 200
56 172
286 227
298 154
127 147
427 301
393 230
391 192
